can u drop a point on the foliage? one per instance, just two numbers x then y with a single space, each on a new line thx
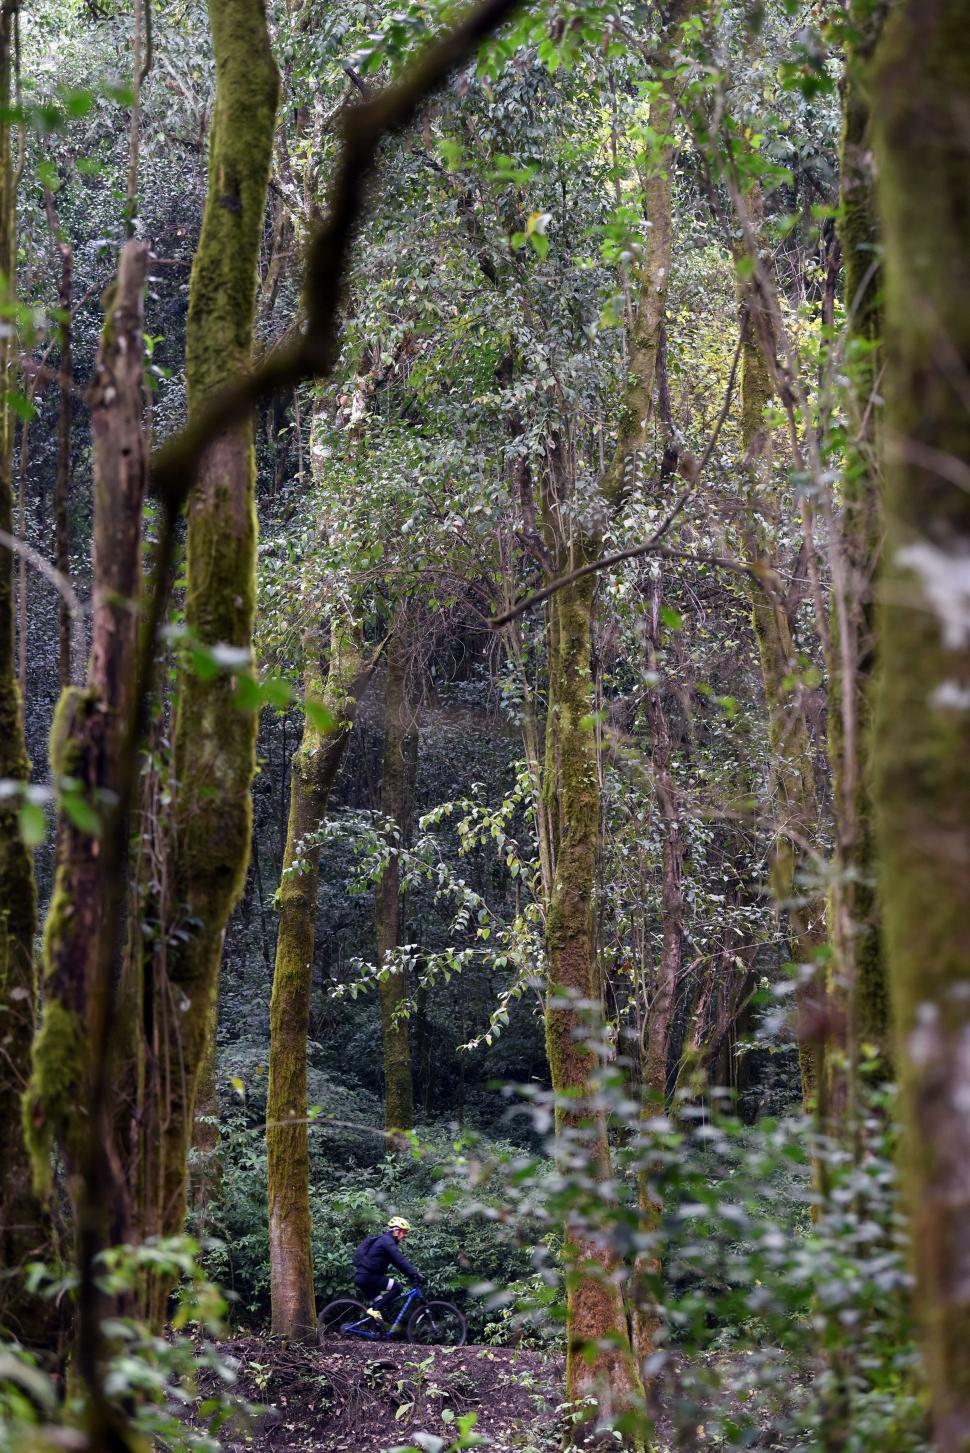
354 1190
176 1390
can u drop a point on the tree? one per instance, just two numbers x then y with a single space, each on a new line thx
793 767
214 740
855 549
330 708
87 740
920 80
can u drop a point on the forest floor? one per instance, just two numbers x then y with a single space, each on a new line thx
353 1397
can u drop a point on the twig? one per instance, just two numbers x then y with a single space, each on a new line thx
43 567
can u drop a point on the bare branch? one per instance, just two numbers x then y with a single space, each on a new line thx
60 582
648 547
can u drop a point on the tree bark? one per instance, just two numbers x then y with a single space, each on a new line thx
214 741
85 746
921 104
24 1232
315 765
595 1315
395 1030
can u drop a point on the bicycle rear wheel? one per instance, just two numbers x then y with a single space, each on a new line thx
337 1315
438 1324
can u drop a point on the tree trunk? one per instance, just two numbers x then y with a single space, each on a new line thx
24 1234
214 741
315 765
596 1316
86 742
921 102
395 1032
855 913
599 1358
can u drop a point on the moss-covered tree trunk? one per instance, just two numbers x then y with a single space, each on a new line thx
214 741
86 741
315 765
23 1229
395 1034
854 915
921 104
599 1357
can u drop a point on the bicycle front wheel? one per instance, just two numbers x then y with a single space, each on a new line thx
438 1324
337 1315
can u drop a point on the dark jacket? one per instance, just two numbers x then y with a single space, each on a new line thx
374 1255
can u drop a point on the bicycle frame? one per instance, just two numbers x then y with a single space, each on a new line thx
367 1328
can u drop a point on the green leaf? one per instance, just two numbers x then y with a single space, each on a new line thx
20 405
277 692
78 103
32 821
321 716
671 618
248 695
81 814
47 175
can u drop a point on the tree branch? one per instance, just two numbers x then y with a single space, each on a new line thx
647 547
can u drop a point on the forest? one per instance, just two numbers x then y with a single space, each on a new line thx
484 726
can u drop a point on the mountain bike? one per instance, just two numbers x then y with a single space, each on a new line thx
417 1318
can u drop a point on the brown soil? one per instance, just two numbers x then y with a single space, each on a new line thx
352 1397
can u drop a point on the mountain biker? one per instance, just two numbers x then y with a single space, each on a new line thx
372 1260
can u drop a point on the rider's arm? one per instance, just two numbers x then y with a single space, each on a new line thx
399 1260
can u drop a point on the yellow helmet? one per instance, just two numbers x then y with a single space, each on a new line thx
398 1223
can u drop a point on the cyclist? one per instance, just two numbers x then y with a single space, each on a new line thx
372 1260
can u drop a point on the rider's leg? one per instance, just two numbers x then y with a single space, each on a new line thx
378 1291
387 1295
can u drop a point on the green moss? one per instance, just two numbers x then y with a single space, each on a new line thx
315 765
51 1103
921 97
64 748
214 742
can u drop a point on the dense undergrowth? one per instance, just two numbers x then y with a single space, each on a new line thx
782 1287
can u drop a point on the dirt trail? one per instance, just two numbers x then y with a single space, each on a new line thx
352 1397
